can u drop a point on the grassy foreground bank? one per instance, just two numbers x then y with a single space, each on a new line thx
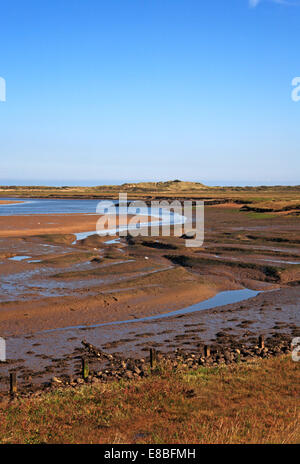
246 403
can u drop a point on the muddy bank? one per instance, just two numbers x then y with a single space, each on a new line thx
136 293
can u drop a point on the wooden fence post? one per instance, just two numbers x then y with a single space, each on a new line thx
13 384
153 357
206 351
261 341
84 368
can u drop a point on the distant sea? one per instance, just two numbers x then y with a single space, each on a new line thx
61 183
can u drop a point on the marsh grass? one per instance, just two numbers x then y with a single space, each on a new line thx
246 403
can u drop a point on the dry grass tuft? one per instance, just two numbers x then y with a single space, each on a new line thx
248 403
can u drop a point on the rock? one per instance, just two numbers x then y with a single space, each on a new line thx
56 380
227 356
246 352
189 235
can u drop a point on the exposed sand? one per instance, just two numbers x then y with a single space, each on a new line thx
140 292
38 224
8 202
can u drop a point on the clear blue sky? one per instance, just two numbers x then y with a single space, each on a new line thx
118 90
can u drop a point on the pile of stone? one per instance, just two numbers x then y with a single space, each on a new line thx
111 367
130 369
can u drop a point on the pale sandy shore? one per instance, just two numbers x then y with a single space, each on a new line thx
10 202
38 224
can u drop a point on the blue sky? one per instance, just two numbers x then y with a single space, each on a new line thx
125 90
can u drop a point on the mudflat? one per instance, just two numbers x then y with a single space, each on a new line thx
51 281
